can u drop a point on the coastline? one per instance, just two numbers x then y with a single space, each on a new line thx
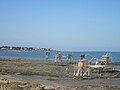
115 56
49 76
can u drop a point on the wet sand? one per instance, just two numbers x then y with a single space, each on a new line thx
47 75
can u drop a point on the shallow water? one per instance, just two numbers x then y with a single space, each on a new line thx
115 56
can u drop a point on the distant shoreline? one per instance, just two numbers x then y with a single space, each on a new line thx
64 50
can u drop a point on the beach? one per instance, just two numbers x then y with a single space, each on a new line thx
33 74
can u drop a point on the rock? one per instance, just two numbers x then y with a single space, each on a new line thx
49 88
10 83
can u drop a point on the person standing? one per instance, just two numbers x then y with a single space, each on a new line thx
47 55
58 57
69 57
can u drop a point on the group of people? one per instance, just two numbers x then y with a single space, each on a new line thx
58 56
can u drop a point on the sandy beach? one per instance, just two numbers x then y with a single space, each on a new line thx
29 74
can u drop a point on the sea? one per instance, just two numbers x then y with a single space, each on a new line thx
40 55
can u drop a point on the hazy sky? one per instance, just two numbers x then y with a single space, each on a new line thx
61 24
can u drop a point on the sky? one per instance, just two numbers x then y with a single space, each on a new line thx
77 25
